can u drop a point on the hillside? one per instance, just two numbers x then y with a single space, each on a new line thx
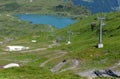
13 29
99 5
62 7
51 57
53 7
84 41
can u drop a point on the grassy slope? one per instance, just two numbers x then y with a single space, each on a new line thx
84 44
25 6
40 6
82 48
14 30
43 7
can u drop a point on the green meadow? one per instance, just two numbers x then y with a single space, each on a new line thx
51 47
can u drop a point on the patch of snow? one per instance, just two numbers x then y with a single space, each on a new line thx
11 65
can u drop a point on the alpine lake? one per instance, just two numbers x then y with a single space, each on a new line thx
56 21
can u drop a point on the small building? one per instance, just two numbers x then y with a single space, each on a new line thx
16 48
34 41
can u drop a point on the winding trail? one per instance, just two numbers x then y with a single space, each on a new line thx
59 66
75 64
59 54
62 53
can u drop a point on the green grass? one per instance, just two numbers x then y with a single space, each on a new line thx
36 73
82 47
43 7
12 28
83 44
31 69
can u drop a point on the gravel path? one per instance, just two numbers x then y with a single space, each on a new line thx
90 73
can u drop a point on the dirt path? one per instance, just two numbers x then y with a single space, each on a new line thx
87 73
40 49
62 53
21 61
75 64
115 65
59 66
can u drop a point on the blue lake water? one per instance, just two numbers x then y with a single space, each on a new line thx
56 21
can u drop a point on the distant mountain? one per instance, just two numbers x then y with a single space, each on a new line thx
53 7
99 5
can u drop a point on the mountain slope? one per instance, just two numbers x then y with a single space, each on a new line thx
99 5
83 48
84 41
54 7
12 28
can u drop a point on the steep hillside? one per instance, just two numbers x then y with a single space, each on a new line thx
99 5
84 41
